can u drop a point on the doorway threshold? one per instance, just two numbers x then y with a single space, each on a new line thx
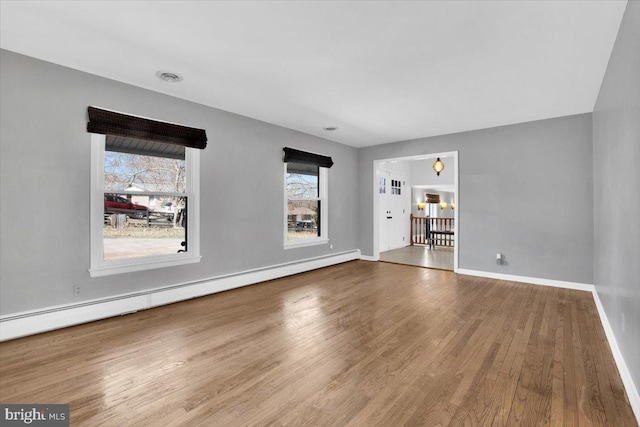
439 258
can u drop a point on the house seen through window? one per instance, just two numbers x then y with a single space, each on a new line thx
304 204
145 205
306 198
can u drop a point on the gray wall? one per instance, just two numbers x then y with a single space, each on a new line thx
616 157
422 172
525 191
44 186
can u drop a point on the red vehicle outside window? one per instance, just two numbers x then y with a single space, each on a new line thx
114 204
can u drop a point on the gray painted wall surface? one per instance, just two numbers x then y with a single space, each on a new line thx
422 172
525 190
44 186
616 157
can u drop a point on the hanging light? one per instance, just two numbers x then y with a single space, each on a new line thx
438 166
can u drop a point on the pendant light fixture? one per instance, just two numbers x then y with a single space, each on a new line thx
438 166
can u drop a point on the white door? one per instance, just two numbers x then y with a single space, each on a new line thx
383 181
394 207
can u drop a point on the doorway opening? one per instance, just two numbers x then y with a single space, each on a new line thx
416 211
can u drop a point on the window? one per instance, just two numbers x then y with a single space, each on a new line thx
306 203
144 204
396 187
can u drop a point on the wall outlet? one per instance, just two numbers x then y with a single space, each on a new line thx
499 258
77 290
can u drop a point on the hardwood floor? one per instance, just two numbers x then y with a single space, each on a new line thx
361 343
421 256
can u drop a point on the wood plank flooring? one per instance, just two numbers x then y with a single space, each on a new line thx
361 343
421 256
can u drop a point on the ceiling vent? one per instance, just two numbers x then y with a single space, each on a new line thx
168 76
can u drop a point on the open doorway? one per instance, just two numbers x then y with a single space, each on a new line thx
416 220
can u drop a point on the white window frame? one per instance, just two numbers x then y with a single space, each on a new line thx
323 197
100 267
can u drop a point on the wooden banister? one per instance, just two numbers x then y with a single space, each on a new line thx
419 232
432 231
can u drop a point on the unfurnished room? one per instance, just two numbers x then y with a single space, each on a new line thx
323 213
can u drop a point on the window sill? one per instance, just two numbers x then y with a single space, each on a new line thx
128 266
304 243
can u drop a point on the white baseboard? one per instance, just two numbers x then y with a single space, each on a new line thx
368 258
627 379
532 280
18 325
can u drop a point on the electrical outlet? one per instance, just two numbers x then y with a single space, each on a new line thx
77 290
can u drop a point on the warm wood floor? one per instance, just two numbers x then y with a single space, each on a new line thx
360 343
439 257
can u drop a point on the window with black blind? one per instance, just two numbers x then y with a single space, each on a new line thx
145 180
306 198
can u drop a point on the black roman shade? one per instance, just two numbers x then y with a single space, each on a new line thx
118 124
297 156
143 147
431 198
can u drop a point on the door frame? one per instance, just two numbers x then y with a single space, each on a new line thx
456 214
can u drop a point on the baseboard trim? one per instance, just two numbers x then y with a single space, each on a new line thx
627 379
368 258
531 280
32 322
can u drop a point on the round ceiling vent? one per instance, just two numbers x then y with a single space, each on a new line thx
168 76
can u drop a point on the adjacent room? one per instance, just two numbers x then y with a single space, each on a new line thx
428 203
320 213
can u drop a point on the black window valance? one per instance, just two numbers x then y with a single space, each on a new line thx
431 198
111 123
293 155
143 147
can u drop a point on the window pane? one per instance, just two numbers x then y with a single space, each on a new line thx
143 225
302 181
303 219
136 172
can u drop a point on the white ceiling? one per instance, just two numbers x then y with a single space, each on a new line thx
380 71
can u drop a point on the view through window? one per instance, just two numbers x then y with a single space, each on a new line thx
304 201
145 200
306 193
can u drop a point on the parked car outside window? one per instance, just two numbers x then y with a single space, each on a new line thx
305 224
114 204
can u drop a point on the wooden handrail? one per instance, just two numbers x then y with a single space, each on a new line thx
432 231
418 228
